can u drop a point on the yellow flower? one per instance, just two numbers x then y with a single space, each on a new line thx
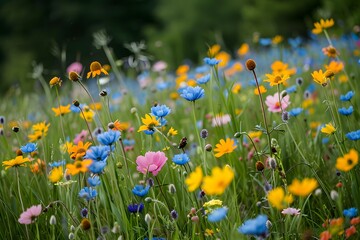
236 88
218 181
79 150
343 78
121 126
55 81
74 76
276 79
303 188
328 129
194 180
319 77
243 50
182 69
209 232
95 106
172 132
191 83
41 127
213 202
277 39
319 26
174 95
19 161
255 134
224 59
225 146
66 146
335 67
56 174
278 199
38 166
96 69
149 123
87 114
78 166
348 161
213 50
262 90
35 136
278 67
62 110
330 51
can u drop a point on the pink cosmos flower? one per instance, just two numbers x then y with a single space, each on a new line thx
74 67
159 66
274 105
80 137
30 214
220 120
152 162
291 211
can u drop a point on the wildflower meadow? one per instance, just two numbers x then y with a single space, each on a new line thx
259 142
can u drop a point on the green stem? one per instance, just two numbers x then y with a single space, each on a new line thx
87 125
21 201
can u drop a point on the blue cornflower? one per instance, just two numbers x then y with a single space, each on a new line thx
325 140
211 61
160 111
162 121
202 69
192 93
156 238
149 132
355 135
75 109
94 181
108 137
128 142
97 153
2 120
347 96
84 212
265 41
255 227
295 111
291 89
140 190
346 112
350 213
29 147
161 86
134 208
203 79
97 167
181 159
218 214
57 164
87 193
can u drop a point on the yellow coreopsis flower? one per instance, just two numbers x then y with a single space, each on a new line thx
328 129
276 79
262 90
224 58
41 127
278 199
213 202
78 166
149 122
255 134
193 181
335 67
323 24
279 67
243 50
172 132
277 39
348 161
303 188
213 50
87 114
218 181
79 150
19 161
96 69
224 146
62 110
236 88
56 174
319 77
121 126
35 136
182 69
95 106
55 81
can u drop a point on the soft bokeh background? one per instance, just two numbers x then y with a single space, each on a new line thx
57 33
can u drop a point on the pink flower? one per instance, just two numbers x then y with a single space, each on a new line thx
274 105
220 120
291 211
159 66
152 162
80 137
30 215
74 67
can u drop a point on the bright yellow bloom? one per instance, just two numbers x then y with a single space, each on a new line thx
78 166
330 51
191 83
96 69
79 150
19 161
218 181
335 67
262 90
56 174
149 122
121 126
62 110
41 127
95 106
319 26
278 199
224 146
38 166
55 81
172 132
66 146
343 78
328 129
278 67
243 50
303 188
348 161
319 77
213 202
209 232
224 58
179 80
276 79
194 179
255 134
236 88
87 114
35 136
182 69
277 39
213 50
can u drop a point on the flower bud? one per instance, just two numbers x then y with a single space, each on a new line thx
133 110
71 236
204 133
172 189
103 93
208 147
250 64
237 135
52 220
85 224
259 166
74 76
148 219
76 103
148 199
195 219
15 129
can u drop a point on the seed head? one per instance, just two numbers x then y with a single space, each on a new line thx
250 64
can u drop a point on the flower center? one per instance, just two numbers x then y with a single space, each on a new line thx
78 164
277 105
95 66
277 79
349 161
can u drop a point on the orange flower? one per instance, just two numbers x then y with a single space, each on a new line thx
262 90
225 146
335 67
243 50
121 126
350 231
78 166
78 151
38 167
96 69
319 77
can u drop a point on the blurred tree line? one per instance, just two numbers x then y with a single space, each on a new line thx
56 33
